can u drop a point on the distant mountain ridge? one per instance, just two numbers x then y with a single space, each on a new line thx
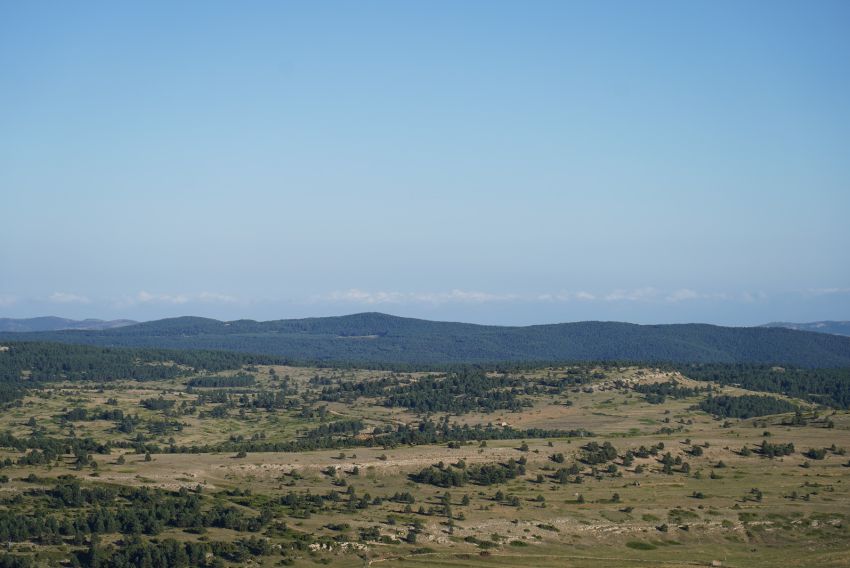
381 338
833 327
51 323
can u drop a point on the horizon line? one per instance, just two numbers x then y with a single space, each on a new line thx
773 323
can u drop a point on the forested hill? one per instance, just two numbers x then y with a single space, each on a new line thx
375 337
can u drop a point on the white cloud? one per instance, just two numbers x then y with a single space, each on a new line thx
566 297
216 298
67 298
6 300
465 296
683 294
362 297
827 291
650 294
144 297
646 294
635 295
357 296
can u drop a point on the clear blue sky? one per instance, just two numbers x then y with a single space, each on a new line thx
500 162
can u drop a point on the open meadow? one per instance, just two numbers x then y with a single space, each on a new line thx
265 464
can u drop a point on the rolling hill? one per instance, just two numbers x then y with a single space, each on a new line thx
381 338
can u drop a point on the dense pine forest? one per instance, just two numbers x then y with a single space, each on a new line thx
830 386
376 338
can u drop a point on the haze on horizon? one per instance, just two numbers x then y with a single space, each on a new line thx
492 162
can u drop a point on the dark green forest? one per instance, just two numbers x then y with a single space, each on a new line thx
28 363
746 406
380 338
825 386
44 362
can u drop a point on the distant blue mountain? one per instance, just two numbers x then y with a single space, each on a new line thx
833 327
50 323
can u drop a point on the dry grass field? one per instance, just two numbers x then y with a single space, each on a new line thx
716 505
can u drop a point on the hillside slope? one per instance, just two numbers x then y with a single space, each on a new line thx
375 337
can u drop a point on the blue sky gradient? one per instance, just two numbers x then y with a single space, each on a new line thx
497 162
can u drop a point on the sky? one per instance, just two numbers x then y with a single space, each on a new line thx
493 162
